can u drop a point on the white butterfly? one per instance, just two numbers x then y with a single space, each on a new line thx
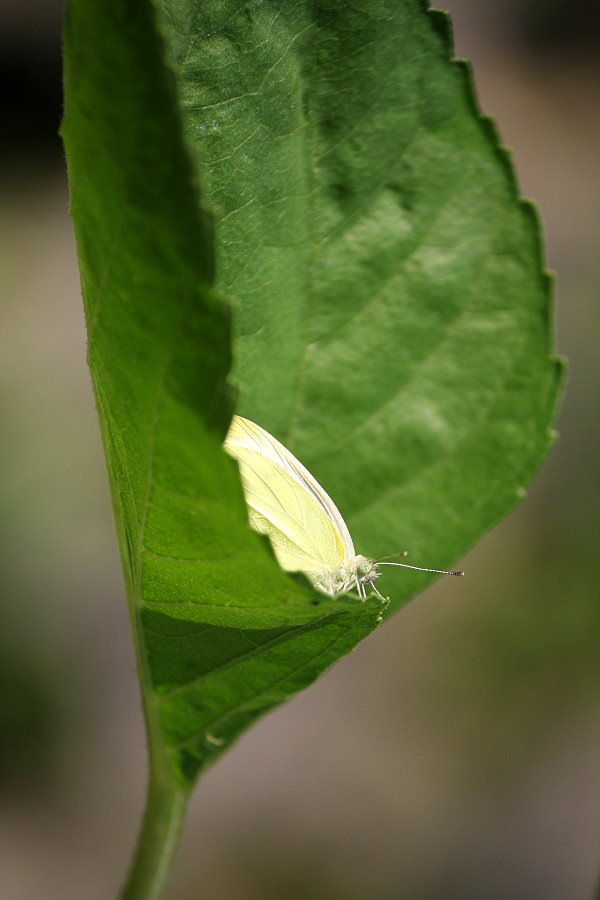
303 523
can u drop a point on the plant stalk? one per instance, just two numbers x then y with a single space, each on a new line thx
158 839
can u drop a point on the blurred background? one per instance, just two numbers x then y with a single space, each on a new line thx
454 755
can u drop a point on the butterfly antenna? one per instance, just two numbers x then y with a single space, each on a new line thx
391 555
419 569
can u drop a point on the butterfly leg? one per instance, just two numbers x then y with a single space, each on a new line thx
381 597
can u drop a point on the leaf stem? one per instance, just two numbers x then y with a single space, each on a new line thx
166 806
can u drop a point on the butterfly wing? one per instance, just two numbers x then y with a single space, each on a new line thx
244 433
284 502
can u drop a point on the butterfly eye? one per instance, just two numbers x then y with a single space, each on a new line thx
364 567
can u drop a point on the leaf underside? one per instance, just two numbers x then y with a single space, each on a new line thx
356 236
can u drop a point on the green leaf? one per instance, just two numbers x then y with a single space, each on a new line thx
222 634
392 313
321 170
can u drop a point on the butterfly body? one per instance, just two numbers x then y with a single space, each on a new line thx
286 503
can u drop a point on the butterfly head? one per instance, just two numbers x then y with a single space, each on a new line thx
365 569
356 573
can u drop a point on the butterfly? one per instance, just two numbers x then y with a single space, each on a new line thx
305 527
